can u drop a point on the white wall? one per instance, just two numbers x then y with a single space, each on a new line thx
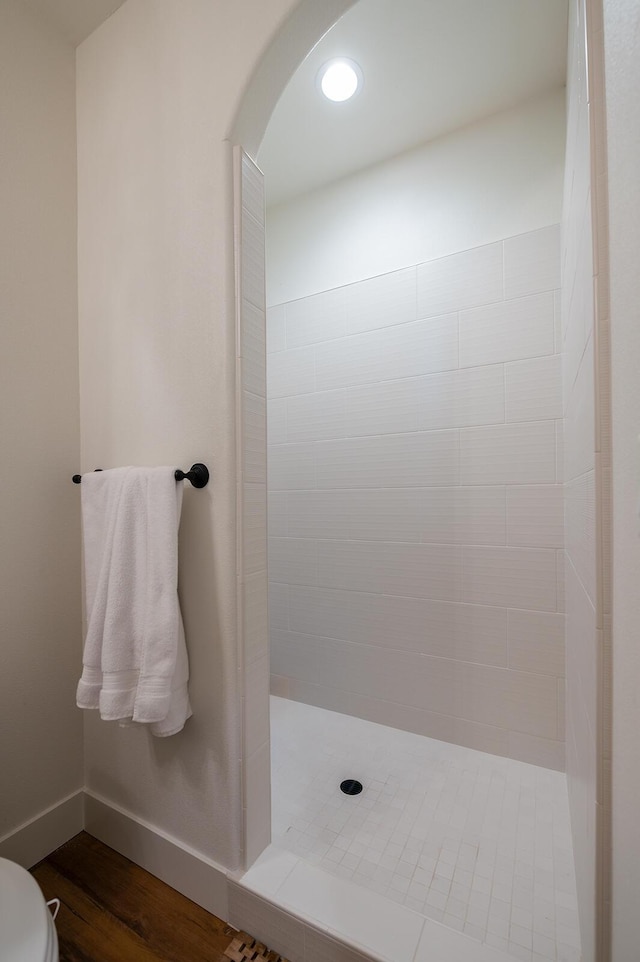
40 645
159 85
494 179
415 509
622 36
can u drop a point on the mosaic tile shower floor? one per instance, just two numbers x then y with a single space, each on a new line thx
475 841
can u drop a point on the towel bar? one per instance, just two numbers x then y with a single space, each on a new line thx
198 475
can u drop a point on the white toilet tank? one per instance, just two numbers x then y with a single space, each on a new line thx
27 932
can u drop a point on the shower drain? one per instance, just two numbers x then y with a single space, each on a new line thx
351 787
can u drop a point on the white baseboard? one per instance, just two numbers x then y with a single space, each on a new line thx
43 834
189 872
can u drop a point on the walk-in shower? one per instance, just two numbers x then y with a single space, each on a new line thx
422 309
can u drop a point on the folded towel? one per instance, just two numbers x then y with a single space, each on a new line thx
135 659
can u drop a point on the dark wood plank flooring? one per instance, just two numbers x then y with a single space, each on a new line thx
113 911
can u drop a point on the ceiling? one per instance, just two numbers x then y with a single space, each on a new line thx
75 19
429 66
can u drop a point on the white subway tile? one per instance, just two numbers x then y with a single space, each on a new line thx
578 307
404 717
532 262
545 752
386 576
315 417
377 514
277 514
318 514
582 654
419 571
561 561
535 515
462 398
387 407
252 269
304 657
381 301
534 389
476 634
580 512
517 577
295 655
276 420
256 704
319 317
536 641
278 605
311 659
253 349
293 561
257 799
407 350
498 697
460 281
393 460
516 700
579 433
254 611
507 331
466 632
252 189
557 316
254 440
471 515
560 450
508 453
291 372
276 330
574 345
280 686
291 466
562 714
254 527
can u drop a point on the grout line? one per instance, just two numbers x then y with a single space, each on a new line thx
422 655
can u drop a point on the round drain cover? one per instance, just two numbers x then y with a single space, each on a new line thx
351 787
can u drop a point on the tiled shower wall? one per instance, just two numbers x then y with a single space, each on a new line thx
253 650
415 503
585 324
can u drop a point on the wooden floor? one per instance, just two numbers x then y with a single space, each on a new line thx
113 911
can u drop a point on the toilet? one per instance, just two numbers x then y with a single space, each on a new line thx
27 932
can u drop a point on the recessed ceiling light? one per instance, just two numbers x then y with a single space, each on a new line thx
340 79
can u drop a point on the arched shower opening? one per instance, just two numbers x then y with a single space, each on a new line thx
256 766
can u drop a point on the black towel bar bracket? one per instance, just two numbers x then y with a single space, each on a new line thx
198 475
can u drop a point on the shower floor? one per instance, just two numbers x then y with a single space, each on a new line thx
477 842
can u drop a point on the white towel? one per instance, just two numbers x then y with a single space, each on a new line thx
135 659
